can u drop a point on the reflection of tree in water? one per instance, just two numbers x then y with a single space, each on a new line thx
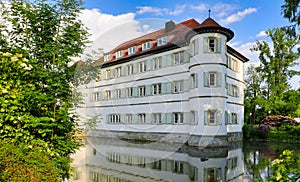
258 157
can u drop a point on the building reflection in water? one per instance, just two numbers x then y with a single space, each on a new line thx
109 160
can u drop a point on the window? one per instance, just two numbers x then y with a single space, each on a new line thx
178 58
233 90
128 118
129 92
232 163
178 86
178 118
156 89
107 94
132 50
212 79
162 41
212 174
114 118
129 69
194 80
117 93
96 96
146 46
106 57
118 72
193 117
156 118
212 44
212 117
178 167
234 118
157 63
195 47
142 66
107 74
118 54
142 91
142 118
232 64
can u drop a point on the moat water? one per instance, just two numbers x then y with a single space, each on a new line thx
112 160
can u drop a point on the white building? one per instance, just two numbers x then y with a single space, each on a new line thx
181 83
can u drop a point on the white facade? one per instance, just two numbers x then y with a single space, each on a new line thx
193 89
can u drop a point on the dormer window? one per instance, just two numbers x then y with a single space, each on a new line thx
132 50
106 57
118 54
162 41
146 46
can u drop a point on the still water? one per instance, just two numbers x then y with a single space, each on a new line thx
112 160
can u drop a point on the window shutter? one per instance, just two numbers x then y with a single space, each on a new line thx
148 90
186 85
205 79
112 73
196 47
107 118
226 117
123 71
134 118
186 117
205 117
149 64
237 119
169 118
135 68
164 61
148 118
166 88
219 79
169 60
237 66
229 118
230 89
186 57
122 118
219 117
205 44
135 91
219 45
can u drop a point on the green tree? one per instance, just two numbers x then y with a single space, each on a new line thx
253 93
35 88
290 11
275 66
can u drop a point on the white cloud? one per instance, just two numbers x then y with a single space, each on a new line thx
108 31
218 10
161 11
244 49
261 34
222 9
201 7
238 16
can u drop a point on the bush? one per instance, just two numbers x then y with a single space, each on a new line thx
286 168
20 163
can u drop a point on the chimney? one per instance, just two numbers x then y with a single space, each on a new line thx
169 26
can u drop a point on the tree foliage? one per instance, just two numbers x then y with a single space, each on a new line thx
40 38
290 10
267 89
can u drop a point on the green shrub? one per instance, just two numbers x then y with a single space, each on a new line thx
286 168
18 162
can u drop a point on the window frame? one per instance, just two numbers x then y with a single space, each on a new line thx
178 88
118 72
146 45
178 58
142 66
156 89
178 118
142 91
141 118
132 50
157 63
162 41
119 54
156 118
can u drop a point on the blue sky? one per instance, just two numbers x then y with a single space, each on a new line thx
247 18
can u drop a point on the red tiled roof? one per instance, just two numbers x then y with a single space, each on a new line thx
178 36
